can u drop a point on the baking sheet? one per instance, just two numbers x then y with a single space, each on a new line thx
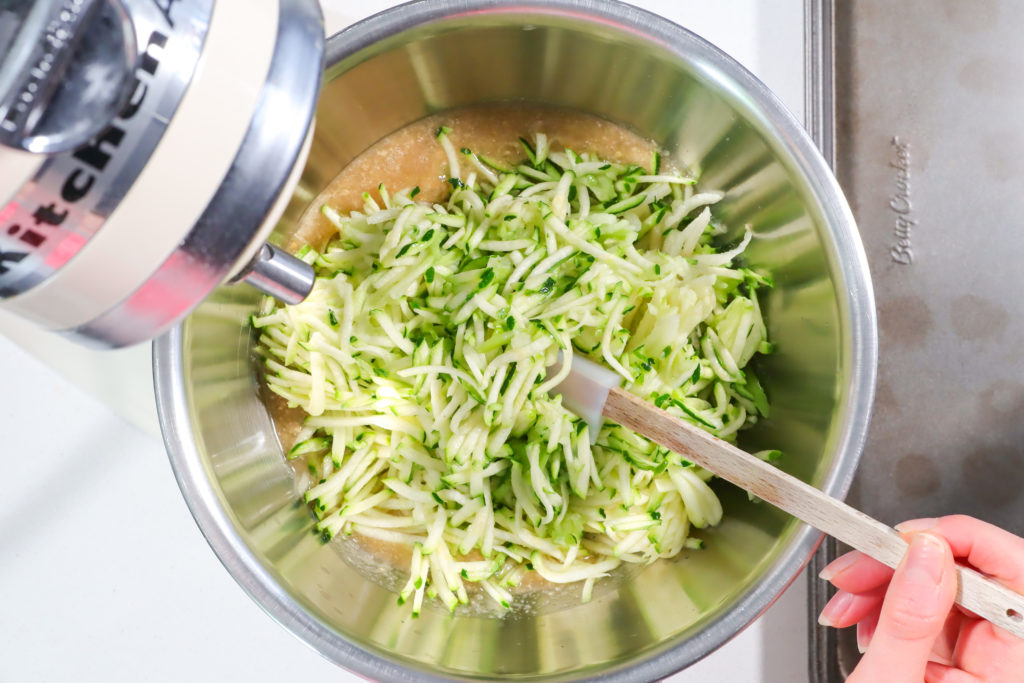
925 102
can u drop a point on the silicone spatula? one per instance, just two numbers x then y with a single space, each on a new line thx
593 393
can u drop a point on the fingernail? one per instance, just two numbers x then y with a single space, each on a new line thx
862 641
835 608
924 559
839 565
914 526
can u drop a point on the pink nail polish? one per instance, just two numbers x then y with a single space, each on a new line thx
863 640
839 565
923 563
835 608
914 526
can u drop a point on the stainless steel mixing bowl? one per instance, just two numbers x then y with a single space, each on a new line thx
711 115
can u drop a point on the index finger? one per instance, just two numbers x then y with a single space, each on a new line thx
984 546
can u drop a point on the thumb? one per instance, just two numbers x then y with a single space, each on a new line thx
915 608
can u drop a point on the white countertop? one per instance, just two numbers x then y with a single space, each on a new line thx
104 575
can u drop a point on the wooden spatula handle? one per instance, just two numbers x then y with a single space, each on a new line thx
986 598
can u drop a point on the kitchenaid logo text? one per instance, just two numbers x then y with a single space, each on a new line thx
98 153
900 204
165 7
30 231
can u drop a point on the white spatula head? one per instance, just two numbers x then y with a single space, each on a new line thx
584 389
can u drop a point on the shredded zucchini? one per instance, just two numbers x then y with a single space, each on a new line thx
421 359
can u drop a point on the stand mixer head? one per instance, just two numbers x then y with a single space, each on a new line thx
147 149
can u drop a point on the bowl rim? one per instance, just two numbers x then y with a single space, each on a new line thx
847 262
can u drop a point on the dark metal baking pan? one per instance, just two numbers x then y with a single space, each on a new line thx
918 105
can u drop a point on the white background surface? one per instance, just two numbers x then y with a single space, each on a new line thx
103 574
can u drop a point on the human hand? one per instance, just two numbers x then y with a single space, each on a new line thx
906 626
